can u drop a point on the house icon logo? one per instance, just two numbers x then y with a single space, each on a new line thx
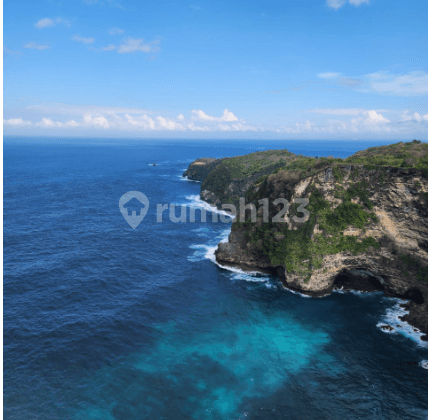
131 206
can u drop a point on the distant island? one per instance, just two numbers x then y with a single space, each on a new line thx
367 227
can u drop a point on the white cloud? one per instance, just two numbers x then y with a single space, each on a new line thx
414 83
71 123
371 118
83 40
116 31
11 52
201 115
351 82
110 47
49 123
132 45
237 127
345 122
129 119
405 117
337 4
364 119
144 121
329 75
370 122
48 23
16 122
44 23
169 124
339 111
192 127
36 46
358 2
298 128
99 121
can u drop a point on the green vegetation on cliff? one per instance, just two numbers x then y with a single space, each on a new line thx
241 167
414 265
241 171
299 249
399 155
404 155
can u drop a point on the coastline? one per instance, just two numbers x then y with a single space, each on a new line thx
367 272
391 323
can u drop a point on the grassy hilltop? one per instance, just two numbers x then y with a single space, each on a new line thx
230 178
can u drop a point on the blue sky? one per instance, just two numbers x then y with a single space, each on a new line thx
292 69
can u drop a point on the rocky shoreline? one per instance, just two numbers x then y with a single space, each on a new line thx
384 248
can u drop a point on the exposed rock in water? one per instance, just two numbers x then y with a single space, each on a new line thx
387 327
367 227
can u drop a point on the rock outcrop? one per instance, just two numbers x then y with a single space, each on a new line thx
200 168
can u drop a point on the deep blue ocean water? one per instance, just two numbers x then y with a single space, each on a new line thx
105 322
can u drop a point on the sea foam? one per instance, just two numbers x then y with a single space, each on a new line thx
207 251
392 318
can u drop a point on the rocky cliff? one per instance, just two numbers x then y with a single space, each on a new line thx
225 180
367 227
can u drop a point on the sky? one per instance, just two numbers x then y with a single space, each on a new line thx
289 69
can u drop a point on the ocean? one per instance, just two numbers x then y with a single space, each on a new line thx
106 322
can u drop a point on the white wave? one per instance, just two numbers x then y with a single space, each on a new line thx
196 202
186 178
392 318
424 364
207 251
238 274
199 253
297 293
202 229
360 293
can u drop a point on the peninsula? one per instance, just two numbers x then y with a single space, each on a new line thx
367 227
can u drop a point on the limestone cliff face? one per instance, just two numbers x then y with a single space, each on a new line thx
401 230
367 227
399 206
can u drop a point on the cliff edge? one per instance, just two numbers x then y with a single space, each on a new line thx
366 226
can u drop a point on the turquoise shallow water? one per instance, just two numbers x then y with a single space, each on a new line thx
225 365
105 322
